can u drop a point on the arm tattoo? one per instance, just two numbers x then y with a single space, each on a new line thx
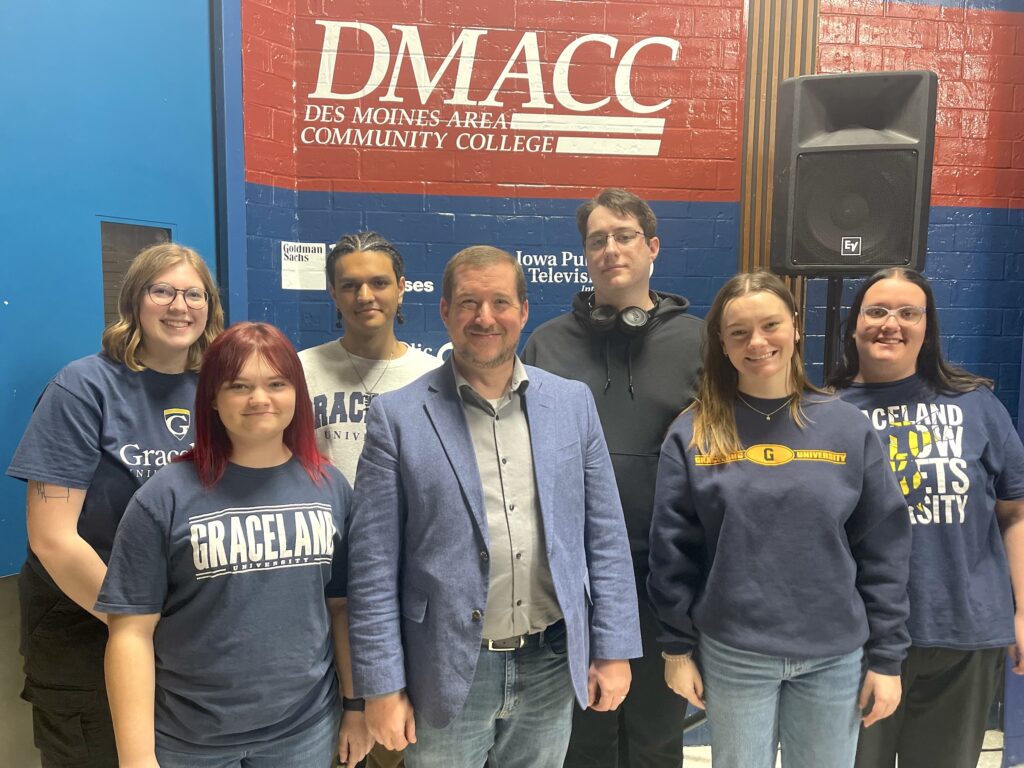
46 492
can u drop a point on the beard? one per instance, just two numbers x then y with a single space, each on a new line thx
470 356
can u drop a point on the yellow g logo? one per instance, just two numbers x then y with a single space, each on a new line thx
177 421
768 455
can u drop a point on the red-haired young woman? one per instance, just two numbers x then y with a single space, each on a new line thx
217 581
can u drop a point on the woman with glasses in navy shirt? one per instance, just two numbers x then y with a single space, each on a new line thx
101 428
960 465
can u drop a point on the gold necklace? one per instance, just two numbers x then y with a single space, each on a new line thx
369 392
767 416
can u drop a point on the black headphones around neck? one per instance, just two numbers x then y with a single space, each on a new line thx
631 321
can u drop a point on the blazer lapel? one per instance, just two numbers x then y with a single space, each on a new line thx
444 409
544 440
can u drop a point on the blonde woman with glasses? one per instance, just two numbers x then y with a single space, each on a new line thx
101 428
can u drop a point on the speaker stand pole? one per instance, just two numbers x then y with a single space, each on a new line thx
833 307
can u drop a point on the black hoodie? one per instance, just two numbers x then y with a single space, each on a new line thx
640 384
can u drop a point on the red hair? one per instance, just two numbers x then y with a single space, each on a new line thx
222 363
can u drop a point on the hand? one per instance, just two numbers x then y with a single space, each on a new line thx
354 739
683 677
886 690
1017 649
608 683
390 720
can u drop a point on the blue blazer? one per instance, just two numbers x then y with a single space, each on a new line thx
418 573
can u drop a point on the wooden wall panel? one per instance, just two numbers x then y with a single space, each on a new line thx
781 43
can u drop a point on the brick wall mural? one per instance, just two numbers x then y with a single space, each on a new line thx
443 124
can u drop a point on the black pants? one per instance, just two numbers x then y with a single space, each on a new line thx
940 722
63 650
647 730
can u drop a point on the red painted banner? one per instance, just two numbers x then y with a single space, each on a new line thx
535 97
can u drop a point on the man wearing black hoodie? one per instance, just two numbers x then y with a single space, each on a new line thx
639 352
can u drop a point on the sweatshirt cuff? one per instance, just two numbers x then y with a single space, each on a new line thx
884 666
675 649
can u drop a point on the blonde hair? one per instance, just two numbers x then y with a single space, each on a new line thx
714 420
123 337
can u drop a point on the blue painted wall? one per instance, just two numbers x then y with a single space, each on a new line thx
698 250
975 262
107 115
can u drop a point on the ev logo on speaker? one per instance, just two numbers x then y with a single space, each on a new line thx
850 246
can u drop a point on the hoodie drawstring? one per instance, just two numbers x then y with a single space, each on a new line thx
607 367
665 305
629 368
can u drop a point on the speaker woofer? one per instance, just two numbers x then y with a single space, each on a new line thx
867 195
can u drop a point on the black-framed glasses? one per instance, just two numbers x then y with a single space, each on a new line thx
623 237
906 316
164 294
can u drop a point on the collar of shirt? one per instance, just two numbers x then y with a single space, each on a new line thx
518 384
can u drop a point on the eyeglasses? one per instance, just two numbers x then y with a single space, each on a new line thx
623 237
164 294
905 316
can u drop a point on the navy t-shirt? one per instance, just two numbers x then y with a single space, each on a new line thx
796 546
954 455
102 427
238 574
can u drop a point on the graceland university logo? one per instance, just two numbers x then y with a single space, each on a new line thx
177 421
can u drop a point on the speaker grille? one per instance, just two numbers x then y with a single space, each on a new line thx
842 196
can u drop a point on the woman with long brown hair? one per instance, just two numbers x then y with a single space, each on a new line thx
960 465
778 548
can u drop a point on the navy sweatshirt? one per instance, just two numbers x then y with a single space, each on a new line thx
796 547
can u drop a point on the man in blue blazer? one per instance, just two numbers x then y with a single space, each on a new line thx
489 571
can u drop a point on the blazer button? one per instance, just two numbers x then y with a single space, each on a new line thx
477 614
484 555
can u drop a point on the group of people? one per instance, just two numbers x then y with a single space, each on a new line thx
544 557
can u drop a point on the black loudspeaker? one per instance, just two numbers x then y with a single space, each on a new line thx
853 172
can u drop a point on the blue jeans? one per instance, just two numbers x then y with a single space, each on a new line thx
518 713
756 701
312 747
